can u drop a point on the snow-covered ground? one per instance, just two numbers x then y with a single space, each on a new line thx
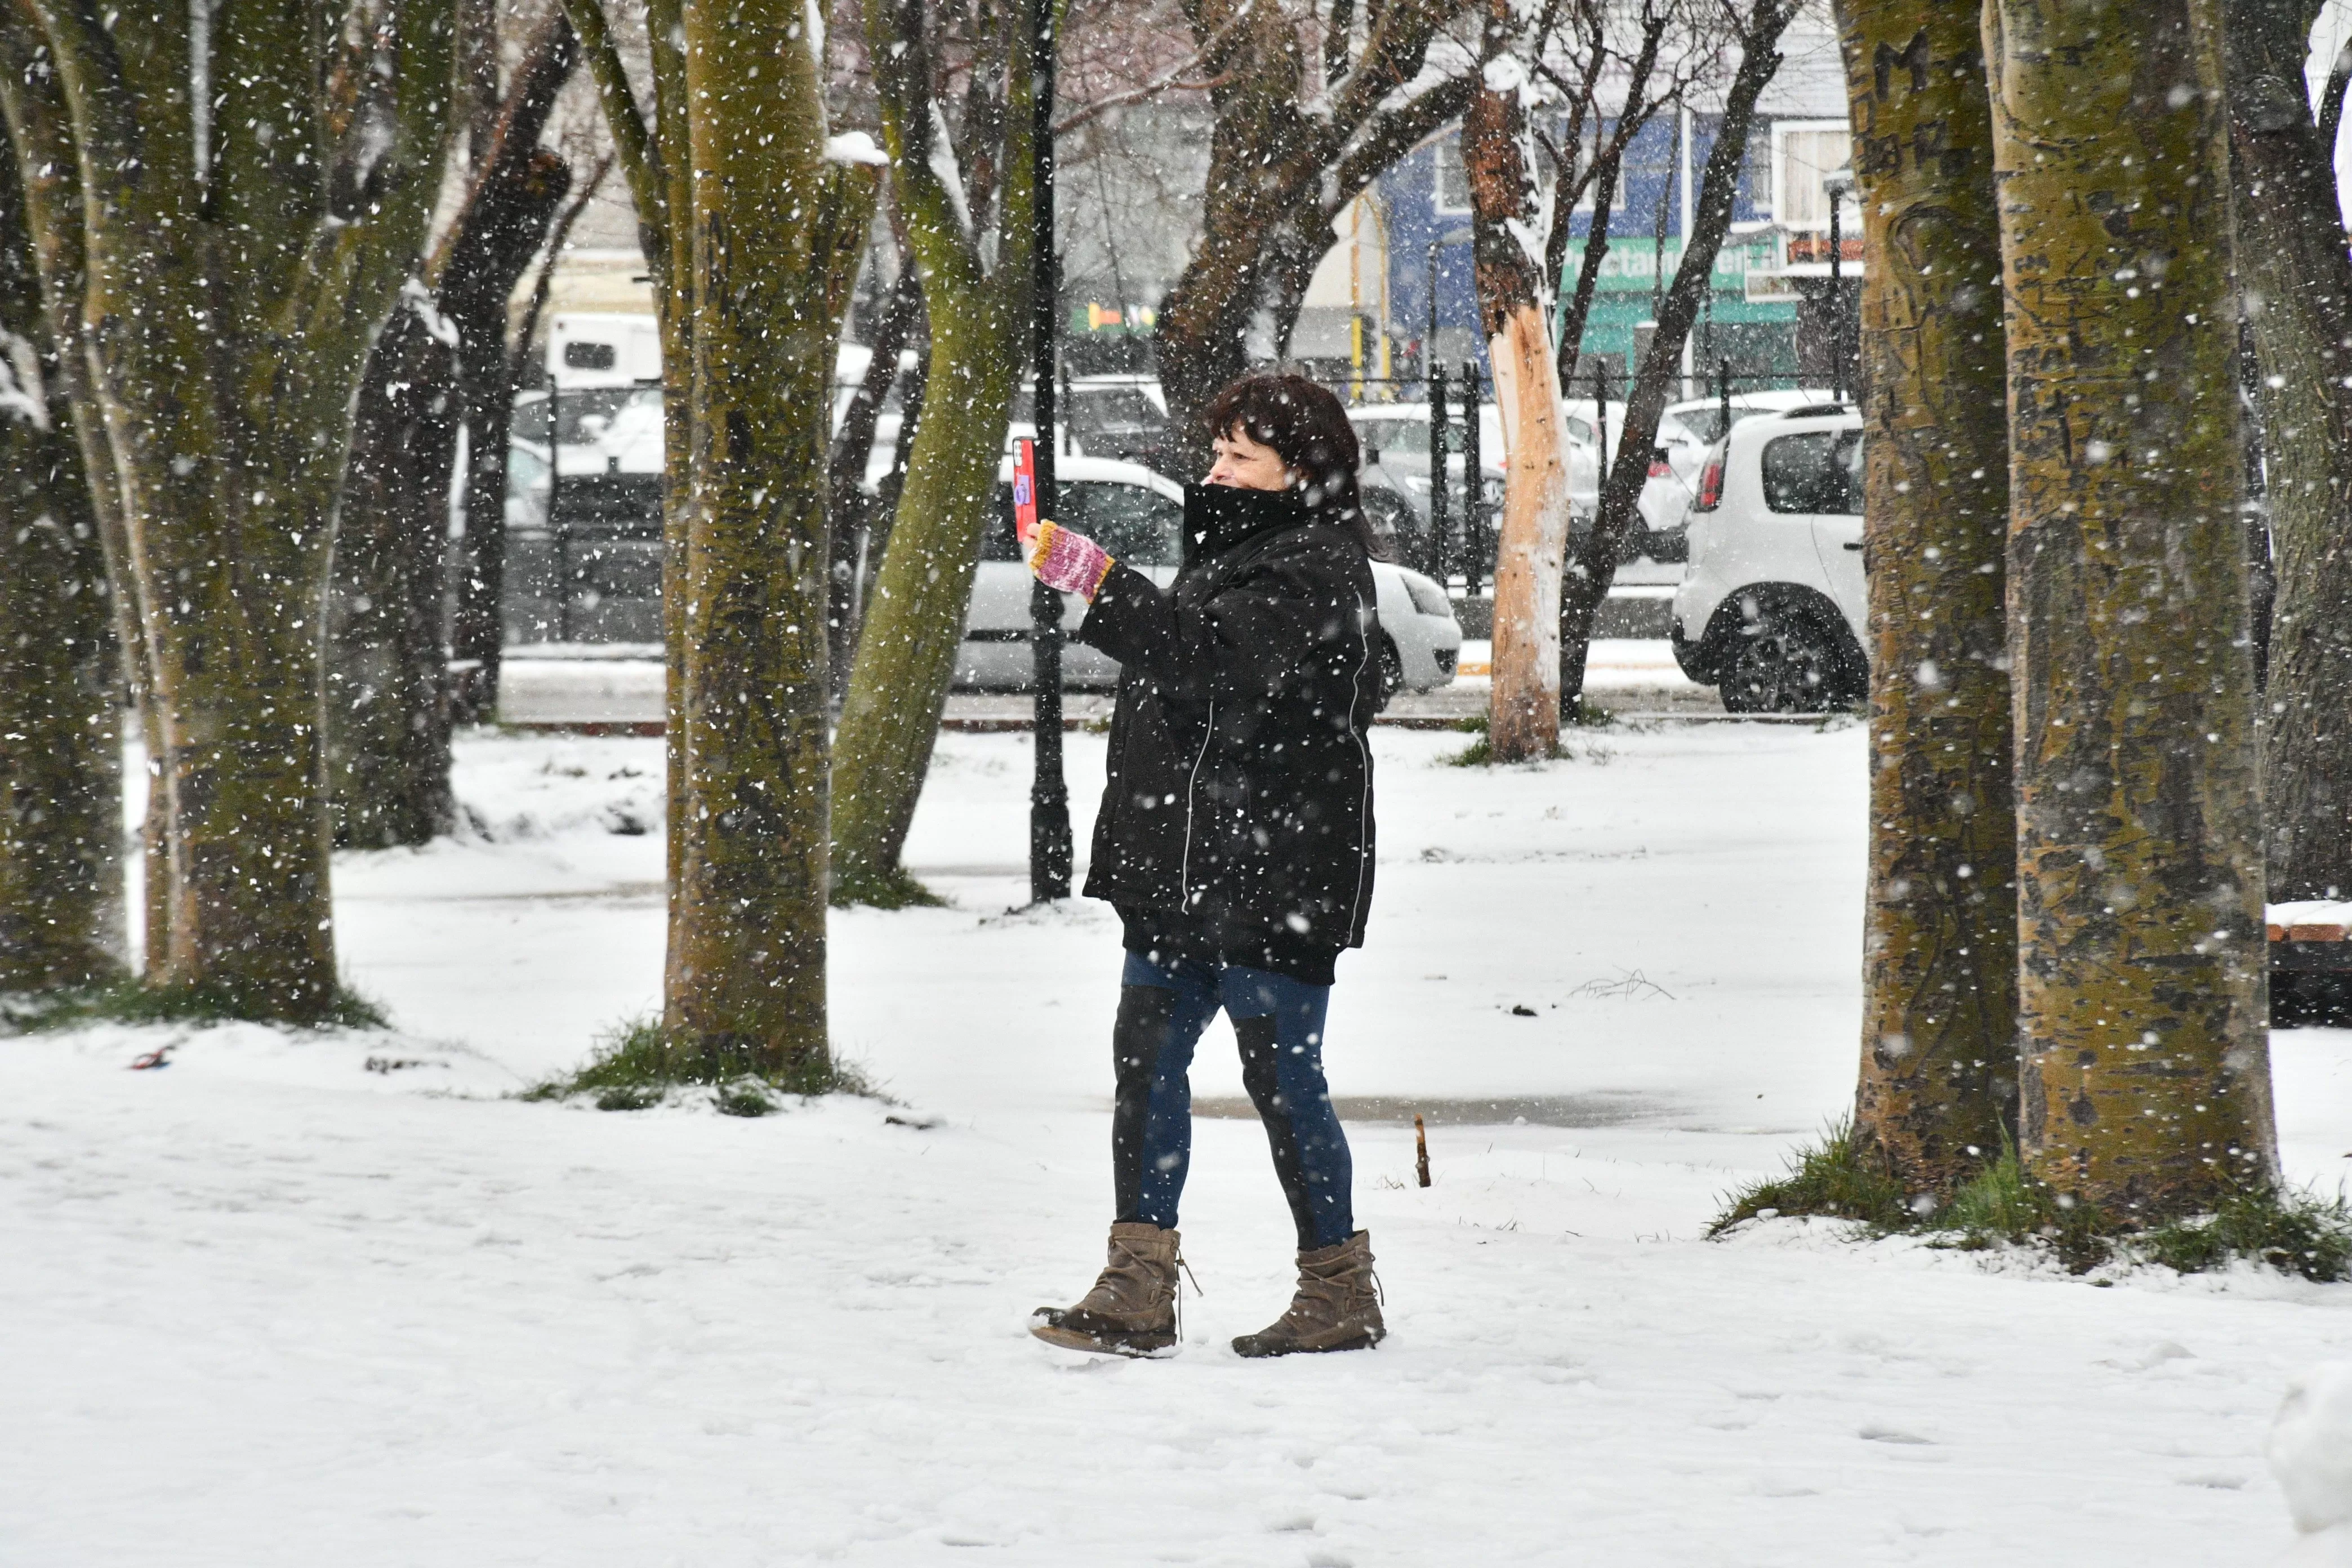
311 1300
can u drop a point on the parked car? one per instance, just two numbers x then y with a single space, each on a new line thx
1124 417
1772 609
1401 428
1685 432
1403 474
1703 416
1676 453
1137 515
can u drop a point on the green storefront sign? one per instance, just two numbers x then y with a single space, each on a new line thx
1758 337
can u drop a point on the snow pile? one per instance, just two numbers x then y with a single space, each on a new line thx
310 1298
2310 1452
514 788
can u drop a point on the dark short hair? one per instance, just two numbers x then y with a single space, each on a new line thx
1308 429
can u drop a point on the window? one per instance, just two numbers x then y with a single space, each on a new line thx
1820 471
1451 185
590 356
1803 153
1393 522
1100 413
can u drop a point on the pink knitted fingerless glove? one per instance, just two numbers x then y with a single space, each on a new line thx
1070 562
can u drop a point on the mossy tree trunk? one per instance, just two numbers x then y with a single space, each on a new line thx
971 235
775 239
2298 284
753 238
1939 946
1514 310
2145 1085
225 295
62 914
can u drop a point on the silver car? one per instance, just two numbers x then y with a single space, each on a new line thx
1138 515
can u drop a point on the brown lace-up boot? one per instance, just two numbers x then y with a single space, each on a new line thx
1337 1306
1131 1310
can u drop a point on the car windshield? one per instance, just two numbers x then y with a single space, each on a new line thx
583 413
1817 471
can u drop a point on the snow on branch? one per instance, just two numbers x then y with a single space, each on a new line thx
855 147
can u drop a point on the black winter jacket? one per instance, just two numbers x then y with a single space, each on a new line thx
1240 793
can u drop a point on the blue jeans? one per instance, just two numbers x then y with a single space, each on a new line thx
1163 1008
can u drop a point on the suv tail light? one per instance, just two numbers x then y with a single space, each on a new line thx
1659 468
1710 484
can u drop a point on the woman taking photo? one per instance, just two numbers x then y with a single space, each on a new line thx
1236 841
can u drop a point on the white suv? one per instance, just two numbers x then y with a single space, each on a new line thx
1773 608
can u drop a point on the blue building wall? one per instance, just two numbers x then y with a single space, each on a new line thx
1650 175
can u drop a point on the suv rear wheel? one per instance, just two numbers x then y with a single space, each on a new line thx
1784 661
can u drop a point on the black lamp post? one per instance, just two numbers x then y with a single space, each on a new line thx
1049 793
1837 184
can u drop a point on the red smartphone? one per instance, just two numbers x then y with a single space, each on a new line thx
1024 489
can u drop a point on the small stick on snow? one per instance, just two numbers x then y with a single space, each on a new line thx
1420 1150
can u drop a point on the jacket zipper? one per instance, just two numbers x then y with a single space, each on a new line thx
1191 785
1364 621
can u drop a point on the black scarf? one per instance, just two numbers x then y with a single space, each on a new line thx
1218 516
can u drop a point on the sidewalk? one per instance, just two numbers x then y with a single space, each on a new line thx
617 689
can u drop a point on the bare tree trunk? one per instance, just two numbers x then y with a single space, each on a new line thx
519 186
2298 281
1515 308
853 449
2144 1088
1939 949
1280 170
387 676
1593 564
1601 177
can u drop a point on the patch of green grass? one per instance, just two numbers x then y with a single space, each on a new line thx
2005 1205
638 1064
1478 754
891 888
133 1002
2285 1229
1835 1178
2292 1230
